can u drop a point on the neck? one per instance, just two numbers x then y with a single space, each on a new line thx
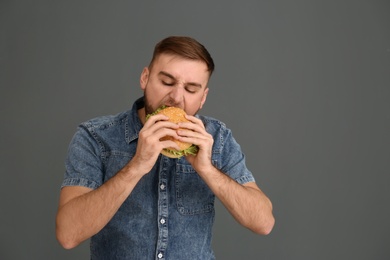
141 115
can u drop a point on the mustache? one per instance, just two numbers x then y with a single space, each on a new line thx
168 102
171 103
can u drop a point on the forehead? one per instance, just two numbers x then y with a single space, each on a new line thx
180 67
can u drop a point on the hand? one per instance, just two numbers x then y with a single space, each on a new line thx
149 143
194 132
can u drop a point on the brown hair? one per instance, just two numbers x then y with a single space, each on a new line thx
185 47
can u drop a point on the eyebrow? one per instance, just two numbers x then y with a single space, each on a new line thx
173 78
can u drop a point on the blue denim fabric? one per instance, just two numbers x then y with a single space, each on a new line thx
170 213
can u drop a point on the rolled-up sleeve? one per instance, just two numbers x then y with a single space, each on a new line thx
83 165
233 160
227 154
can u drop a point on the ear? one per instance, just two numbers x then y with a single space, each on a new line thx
144 78
206 91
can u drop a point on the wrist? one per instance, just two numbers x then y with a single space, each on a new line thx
131 171
206 170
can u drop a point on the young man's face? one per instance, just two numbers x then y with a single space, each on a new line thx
174 81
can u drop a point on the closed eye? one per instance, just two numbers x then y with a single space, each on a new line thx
167 83
191 90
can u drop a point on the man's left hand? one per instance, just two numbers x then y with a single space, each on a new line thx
194 132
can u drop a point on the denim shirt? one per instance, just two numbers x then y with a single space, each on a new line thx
170 212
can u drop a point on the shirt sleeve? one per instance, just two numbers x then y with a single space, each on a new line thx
83 166
233 159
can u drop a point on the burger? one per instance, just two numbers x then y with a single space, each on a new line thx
176 115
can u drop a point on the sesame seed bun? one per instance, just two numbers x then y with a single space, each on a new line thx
176 115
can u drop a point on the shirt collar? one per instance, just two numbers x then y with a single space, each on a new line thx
133 122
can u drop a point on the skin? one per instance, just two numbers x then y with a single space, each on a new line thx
171 81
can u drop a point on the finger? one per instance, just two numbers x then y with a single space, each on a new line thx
153 119
192 128
194 120
185 132
152 144
164 132
169 144
157 126
197 138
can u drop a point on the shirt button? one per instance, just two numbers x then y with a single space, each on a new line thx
162 221
160 255
162 186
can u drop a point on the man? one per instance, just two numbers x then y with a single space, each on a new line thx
135 203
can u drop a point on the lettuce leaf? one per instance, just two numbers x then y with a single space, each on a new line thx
192 150
155 112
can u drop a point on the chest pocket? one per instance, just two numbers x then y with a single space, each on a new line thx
193 196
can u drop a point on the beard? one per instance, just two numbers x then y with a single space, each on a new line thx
148 108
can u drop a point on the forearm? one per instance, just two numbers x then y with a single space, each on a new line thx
247 203
86 213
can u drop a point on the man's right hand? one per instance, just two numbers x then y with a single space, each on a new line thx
149 143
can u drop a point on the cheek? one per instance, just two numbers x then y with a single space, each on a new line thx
193 105
155 96
152 90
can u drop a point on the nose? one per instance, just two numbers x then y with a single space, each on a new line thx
177 95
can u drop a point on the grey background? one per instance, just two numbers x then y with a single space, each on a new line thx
304 85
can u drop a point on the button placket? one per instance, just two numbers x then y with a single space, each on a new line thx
162 209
